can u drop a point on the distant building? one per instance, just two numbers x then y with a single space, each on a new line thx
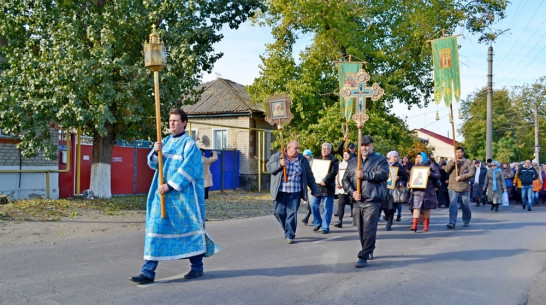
443 146
231 121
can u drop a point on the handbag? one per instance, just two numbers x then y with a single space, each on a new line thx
505 201
400 195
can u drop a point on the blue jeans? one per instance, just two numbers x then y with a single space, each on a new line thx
286 210
454 206
148 269
527 195
327 206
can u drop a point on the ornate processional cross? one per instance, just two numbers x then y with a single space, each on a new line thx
361 92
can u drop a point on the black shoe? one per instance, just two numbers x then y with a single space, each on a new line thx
305 220
361 263
316 228
193 275
141 279
398 218
450 226
338 225
335 214
492 207
529 208
523 206
325 231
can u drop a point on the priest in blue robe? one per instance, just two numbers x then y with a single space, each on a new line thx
181 234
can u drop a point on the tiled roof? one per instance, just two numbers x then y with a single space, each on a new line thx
436 136
223 96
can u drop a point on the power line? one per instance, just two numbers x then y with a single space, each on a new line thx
524 30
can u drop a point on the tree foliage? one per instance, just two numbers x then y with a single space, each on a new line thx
80 64
390 36
513 122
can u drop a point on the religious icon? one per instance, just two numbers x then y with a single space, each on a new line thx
278 109
393 175
419 177
320 169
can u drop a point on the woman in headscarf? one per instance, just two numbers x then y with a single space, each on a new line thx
389 206
495 185
423 200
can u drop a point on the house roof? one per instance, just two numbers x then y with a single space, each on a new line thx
223 96
436 136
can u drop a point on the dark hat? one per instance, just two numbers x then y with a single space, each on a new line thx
366 140
351 145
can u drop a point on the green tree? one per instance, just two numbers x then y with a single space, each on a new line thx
390 36
80 64
513 129
530 97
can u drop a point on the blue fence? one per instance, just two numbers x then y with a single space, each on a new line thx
225 171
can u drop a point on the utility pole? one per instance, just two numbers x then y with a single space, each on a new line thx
489 123
537 144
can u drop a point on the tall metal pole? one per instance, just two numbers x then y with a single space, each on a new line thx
489 124
537 144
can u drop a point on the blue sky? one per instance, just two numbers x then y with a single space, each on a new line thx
519 58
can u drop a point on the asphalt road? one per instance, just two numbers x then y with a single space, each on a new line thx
499 259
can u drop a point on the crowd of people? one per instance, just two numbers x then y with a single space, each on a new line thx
383 185
370 186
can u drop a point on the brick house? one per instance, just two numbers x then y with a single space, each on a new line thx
225 118
27 184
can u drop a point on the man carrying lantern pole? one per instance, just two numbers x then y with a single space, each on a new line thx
366 175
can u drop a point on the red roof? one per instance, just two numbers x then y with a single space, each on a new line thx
436 136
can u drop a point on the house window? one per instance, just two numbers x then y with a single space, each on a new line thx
262 146
219 139
267 145
194 134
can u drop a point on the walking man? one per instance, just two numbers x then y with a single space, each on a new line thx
367 206
327 190
459 187
286 195
526 174
181 234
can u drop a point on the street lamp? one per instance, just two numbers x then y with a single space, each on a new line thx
155 58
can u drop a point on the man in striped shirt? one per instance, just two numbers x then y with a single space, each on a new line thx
287 194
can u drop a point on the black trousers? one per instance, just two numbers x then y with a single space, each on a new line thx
366 219
343 200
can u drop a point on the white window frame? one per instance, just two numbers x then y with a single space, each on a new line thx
195 133
214 130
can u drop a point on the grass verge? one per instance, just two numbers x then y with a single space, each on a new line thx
220 206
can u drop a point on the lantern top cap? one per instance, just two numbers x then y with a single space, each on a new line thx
154 36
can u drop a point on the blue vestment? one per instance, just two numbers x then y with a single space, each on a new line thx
181 234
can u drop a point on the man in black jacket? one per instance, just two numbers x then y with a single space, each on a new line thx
327 190
373 191
526 174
